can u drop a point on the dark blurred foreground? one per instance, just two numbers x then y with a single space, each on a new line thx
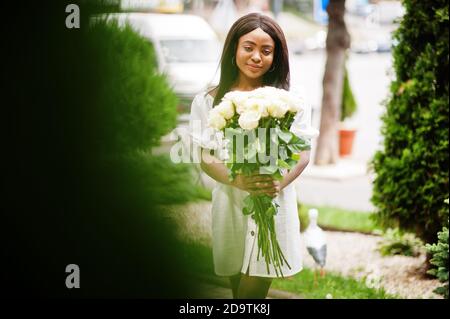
64 202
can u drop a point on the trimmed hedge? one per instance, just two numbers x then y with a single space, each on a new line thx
134 104
412 179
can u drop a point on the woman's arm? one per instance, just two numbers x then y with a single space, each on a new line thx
214 168
297 170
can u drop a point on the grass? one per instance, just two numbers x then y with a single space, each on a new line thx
340 219
200 260
202 193
333 285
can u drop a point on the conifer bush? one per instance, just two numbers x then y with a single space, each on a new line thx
412 176
439 253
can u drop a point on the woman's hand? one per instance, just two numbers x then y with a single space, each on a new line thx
258 184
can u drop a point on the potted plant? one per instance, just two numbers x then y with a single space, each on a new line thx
348 108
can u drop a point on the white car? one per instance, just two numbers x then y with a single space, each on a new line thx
386 13
187 49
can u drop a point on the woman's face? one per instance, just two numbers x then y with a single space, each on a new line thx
254 54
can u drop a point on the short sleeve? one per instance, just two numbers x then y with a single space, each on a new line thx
302 126
201 135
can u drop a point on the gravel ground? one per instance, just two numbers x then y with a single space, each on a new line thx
355 255
350 254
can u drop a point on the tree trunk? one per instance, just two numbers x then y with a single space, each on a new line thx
338 41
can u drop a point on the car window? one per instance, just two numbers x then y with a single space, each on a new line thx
190 50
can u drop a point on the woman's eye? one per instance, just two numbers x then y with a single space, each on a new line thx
267 52
248 49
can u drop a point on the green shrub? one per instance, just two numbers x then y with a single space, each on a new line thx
348 107
133 108
439 253
397 243
172 183
412 170
134 105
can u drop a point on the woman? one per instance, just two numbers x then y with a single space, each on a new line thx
255 54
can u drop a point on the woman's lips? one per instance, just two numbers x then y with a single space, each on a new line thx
254 67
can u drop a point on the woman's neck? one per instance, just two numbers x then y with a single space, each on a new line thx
245 84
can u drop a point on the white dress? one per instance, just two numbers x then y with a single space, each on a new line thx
234 235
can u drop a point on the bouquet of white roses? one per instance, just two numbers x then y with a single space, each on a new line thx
256 126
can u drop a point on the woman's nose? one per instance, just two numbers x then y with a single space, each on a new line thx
256 57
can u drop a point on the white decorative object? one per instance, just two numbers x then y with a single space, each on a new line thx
316 242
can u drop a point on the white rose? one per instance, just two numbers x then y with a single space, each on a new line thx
277 108
240 108
225 109
223 154
237 97
256 105
249 120
216 120
295 103
263 107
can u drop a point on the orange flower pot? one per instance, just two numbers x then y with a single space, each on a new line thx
346 137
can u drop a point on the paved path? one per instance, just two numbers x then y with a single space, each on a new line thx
209 291
345 185
218 288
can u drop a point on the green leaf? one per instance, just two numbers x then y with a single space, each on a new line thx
296 140
249 205
298 147
282 164
250 154
294 148
291 162
295 156
266 200
277 175
236 166
282 152
233 131
285 136
268 169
